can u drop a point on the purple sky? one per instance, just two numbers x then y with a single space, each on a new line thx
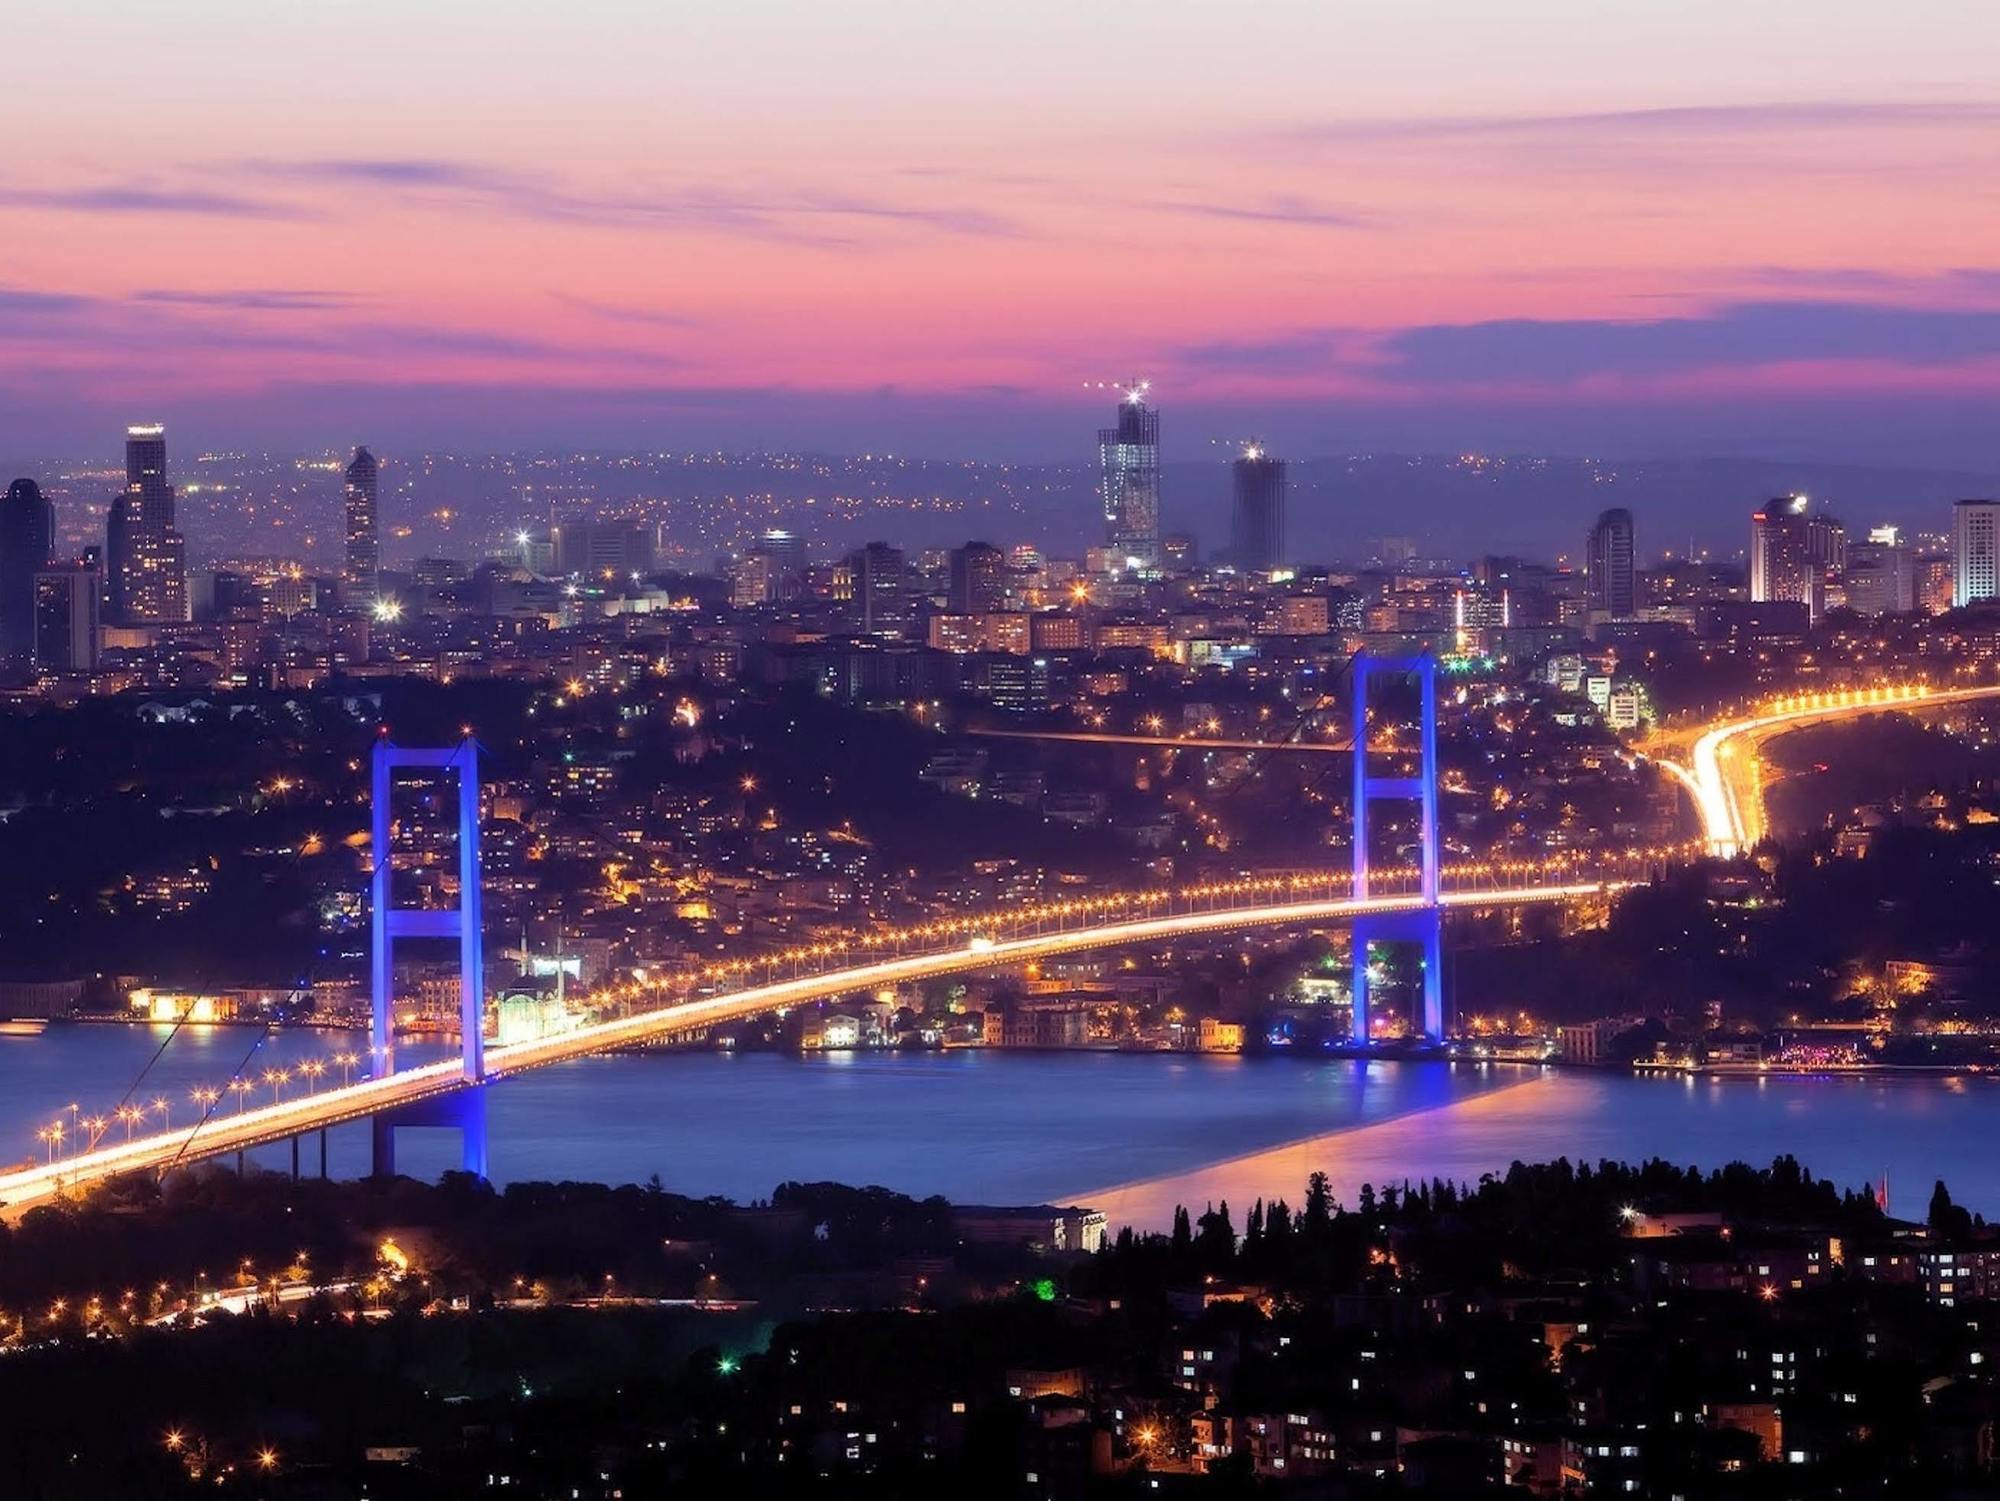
1659 227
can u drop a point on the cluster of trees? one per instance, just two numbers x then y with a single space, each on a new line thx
1531 1219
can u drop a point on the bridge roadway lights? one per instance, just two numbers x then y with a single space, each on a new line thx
463 1110
1423 927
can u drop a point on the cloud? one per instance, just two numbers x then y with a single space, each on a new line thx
31 303
1279 210
1670 120
132 198
1955 281
612 312
254 299
1734 335
1308 351
785 215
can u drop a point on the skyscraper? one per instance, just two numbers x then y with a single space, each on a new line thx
67 600
1610 587
27 536
1793 551
1881 575
364 548
978 579
1128 457
1257 518
144 553
1975 551
881 589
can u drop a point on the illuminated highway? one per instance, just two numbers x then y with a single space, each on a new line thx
1726 779
26 1187
1170 742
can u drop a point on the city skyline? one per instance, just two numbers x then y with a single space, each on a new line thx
762 681
1333 227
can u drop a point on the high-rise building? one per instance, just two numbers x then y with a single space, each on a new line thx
1128 457
145 554
1881 575
1934 583
67 599
978 579
1257 517
605 549
754 579
881 597
1611 572
788 551
1975 551
27 536
363 566
1792 552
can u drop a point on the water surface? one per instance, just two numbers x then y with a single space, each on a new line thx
1130 1133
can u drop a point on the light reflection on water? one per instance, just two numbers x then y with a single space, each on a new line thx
1131 1134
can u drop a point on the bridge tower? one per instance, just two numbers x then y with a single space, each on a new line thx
464 1108
1424 926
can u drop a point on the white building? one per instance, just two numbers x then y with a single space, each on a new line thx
1975 531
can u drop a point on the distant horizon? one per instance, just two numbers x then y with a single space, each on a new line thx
191 438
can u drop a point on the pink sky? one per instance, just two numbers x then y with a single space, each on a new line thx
239 212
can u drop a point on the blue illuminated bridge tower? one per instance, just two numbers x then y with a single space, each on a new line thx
1422 926
463 1109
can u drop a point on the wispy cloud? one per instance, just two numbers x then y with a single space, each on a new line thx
1738 335
1279 210
1735 335
777 214
1670 120
252 299
31 303
612 312
144 199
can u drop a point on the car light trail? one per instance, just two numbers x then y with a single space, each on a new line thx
1724 779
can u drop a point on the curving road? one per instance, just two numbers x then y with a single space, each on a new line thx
22 1190
1726 778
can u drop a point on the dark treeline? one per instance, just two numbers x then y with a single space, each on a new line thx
1532 1220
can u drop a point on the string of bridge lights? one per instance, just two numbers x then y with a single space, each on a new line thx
73 1131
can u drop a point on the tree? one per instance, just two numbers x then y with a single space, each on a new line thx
1946 1218
1217 1241
1319 1204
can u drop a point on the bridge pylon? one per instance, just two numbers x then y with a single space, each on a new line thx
1423 927
462 922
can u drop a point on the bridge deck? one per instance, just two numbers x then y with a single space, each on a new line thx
20 1191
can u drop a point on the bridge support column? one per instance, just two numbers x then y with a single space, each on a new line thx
463 1111
1424 927
390 922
